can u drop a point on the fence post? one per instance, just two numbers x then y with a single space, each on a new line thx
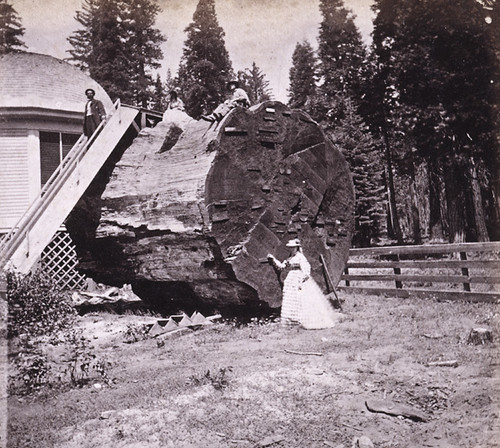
397 271
346 272
465 271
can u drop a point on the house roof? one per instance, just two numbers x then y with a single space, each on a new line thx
32 80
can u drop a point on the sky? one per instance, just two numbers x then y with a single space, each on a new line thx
261 31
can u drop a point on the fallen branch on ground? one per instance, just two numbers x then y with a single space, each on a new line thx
293 352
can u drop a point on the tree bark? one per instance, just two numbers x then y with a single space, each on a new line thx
477 203
438 221
415 215
391 192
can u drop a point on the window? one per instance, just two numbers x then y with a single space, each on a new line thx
54 147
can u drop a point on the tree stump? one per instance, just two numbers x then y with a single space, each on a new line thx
190 227
479 336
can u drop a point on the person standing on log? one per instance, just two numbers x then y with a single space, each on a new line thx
303 301
238 98
94 113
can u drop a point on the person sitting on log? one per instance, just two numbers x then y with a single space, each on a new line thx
175 112
239 98
303 301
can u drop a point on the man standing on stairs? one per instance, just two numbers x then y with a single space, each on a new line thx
94 113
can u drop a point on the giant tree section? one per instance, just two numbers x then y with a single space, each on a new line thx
189 226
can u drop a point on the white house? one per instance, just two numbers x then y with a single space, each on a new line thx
42 100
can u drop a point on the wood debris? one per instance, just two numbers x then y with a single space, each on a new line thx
395 409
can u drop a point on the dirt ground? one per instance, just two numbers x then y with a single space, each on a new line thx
262 384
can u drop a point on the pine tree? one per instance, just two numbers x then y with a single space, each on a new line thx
255 84
340 51
341 55
302 76
158 100
142 46
363 153
335 106
205 67
118 46
11 29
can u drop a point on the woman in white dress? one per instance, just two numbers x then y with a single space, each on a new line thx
303 301
175 112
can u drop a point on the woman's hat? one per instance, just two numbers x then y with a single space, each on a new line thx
233 82
293 243
90 90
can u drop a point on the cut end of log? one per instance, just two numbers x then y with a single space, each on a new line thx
194 221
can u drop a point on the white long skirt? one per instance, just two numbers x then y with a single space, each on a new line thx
304 303
178 117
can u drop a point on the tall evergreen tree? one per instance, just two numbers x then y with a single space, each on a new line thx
11 29
255 84
341 56
142 46
205 67
118 46
362 152
340 49
302 76
158 100
340 63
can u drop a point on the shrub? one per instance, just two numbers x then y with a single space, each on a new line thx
36 305
219 380
81 361
32 370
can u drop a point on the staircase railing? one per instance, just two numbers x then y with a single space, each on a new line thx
20 231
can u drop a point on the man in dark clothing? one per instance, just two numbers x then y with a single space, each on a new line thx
94 113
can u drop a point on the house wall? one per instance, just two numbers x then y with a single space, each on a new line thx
14 176
20 174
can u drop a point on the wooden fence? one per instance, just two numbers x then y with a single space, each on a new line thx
468 271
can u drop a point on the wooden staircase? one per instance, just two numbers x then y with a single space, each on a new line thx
21 248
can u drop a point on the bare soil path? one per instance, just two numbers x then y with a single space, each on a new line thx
267 385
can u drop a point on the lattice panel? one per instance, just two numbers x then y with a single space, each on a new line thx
59 260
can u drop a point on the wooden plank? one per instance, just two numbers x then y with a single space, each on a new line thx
419 264
405 278
493 246
479 297
235 131
491 280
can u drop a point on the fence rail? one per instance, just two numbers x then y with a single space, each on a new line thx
469 271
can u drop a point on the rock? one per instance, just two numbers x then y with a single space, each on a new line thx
107 414
362 442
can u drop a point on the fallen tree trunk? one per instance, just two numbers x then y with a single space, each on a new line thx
189 226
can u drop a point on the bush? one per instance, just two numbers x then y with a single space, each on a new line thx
32 370
36 305
81 362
